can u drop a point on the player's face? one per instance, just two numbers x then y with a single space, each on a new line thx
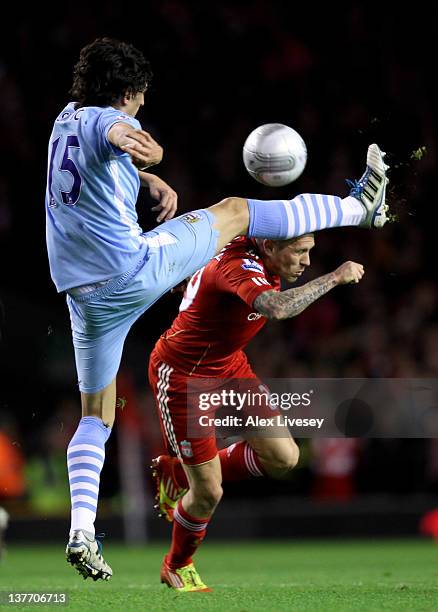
133 103
290 261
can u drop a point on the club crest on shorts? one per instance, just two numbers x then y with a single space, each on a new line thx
186 449
191 218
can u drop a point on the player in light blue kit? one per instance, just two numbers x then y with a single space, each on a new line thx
112 271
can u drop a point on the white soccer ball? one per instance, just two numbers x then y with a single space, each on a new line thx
274 154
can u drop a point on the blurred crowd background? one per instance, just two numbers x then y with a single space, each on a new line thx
343 77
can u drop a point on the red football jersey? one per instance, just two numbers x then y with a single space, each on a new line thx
217 318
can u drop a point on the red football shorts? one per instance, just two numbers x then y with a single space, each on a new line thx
179 410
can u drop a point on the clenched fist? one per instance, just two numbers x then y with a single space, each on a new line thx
349 272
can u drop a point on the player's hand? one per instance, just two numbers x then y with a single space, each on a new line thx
166 196
142 148
349 272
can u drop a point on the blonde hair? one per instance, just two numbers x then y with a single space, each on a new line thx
283 243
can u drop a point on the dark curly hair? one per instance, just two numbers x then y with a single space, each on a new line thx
107 70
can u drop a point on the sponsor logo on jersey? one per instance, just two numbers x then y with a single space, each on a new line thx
192 218
254 316
186 448
250 264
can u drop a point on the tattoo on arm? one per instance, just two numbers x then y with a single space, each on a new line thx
289 303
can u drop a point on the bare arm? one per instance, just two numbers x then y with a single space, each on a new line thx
145 152
167 198
140 145
286 304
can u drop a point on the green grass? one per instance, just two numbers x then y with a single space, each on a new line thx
312 576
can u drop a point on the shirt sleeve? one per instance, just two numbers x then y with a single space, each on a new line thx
244 277
107 119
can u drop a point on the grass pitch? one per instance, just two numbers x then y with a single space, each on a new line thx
312 576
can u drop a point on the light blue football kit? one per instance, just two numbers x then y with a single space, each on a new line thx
111 270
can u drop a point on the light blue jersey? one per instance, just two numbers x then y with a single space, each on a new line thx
92 187
93 236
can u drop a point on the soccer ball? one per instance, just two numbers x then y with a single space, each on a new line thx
274 154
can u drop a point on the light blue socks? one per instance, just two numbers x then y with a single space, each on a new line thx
308 212
85 458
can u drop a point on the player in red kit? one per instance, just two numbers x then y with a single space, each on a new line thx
225 304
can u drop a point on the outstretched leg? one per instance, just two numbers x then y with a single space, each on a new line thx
282 219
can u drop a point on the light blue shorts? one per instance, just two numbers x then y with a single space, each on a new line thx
102 317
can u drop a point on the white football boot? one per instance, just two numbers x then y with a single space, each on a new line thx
370 189
84 552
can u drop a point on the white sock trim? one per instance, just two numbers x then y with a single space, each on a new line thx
82 518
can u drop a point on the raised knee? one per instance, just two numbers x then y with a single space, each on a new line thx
283 463
236 206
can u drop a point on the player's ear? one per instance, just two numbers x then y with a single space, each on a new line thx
127 96
268 246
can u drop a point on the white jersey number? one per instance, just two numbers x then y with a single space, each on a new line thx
192 290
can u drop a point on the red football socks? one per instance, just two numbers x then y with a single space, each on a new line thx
188 533
238 462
